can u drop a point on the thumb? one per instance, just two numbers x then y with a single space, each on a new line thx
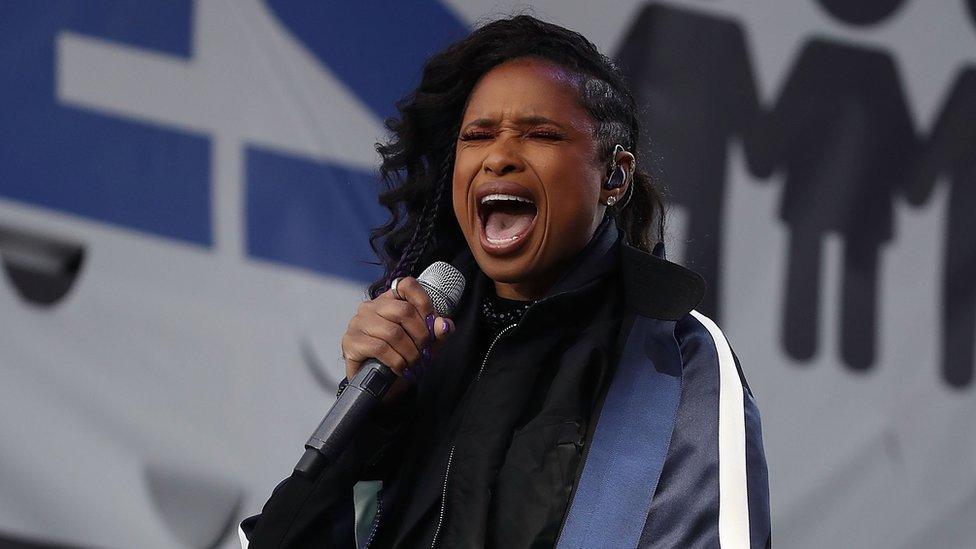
443 329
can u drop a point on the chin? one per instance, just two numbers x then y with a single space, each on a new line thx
510 271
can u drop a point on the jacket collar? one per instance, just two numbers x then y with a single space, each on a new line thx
596 259
657 288
653 286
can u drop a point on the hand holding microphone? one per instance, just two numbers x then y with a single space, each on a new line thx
383 345
400 328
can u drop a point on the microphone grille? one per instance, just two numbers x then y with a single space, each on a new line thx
444 285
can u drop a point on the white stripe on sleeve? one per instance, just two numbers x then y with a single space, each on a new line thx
733 506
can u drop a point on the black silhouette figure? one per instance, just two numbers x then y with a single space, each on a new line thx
951 152
841 135
862 12
693 75
841 132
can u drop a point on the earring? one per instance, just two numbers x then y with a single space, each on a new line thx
611 200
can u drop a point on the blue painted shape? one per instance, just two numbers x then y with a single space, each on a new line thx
376 48
132 174
620 475
315 216
318 216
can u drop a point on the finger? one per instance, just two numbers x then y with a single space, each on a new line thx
375 326
407 316
359 345
443 328
395 336
400 313
412 292
363 347
352 364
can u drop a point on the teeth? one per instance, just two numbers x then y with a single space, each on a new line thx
500 197
502 240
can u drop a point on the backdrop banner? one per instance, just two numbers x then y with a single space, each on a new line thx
187 189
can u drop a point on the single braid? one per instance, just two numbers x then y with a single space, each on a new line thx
399 269
423 233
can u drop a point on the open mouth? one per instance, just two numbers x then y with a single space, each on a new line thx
506 219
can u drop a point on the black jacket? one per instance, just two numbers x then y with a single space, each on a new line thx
488 450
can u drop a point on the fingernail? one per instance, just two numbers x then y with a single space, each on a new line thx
425 355
430 324
445 326
408 374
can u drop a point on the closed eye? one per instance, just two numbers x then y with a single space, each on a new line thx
546 134
474 136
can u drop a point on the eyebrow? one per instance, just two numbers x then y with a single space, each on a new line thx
530 120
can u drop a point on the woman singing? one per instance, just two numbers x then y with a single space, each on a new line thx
575 398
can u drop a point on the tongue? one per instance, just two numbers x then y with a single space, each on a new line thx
503 225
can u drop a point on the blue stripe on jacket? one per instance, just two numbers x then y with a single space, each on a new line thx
684 511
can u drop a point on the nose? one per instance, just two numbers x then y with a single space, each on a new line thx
504 157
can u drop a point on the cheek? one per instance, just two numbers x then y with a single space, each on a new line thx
573 201
460 187
458 201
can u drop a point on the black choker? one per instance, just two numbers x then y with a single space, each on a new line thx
499 312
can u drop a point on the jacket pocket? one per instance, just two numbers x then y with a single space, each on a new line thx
534 484
543 439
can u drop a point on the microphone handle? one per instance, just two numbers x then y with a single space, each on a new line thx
349 411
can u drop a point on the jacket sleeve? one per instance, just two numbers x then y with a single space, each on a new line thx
757 482
713 490
307 512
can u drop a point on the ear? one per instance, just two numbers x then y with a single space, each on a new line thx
621 160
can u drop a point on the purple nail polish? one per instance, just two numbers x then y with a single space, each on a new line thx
408 374
430 325
425 355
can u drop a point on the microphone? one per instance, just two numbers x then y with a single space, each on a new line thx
444 285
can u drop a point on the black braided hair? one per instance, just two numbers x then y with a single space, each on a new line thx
423 235
418 159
